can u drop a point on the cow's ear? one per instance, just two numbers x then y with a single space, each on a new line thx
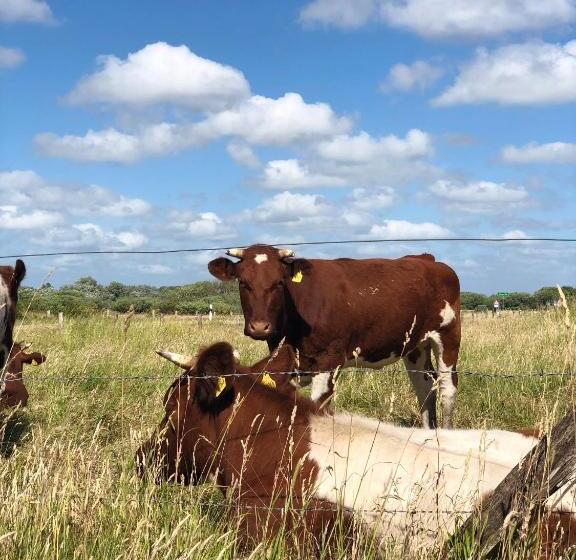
223 269
33 357
307 289
19 273
213 370
282 359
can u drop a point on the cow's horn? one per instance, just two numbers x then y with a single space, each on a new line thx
181 360
285 253
238 253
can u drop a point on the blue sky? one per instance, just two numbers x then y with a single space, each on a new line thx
173 124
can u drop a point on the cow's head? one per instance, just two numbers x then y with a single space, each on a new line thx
185 446
262 273
10 279
19 357
14 392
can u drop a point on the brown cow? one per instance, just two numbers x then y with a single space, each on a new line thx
10 279
13 391
273 451
347 312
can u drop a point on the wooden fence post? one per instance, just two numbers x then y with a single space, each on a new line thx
521 495
48 313
61 319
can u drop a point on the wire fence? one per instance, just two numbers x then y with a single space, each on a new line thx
298 244
430 373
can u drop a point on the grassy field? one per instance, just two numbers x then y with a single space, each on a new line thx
67 482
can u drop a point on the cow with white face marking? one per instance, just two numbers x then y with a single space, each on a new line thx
10 279
348 312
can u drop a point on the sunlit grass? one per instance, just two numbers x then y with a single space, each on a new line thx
67 482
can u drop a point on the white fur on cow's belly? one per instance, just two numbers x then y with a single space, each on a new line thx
376 468
361 362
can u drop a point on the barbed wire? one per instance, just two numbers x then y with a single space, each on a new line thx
431 373
296 244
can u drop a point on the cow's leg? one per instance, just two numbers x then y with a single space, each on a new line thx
420 371
446 345
323 382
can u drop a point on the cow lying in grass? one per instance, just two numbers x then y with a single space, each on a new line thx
269 449
13 392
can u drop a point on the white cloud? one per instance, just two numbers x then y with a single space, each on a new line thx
12 217
522 74
463 18
26 189
443 18
89 235
407 77
480 196
359 159
282 121
402 229
363 148
155 269
243 154
34 11
10 58
161 73
258 120
204 225
340 13
553 152
287 207
111 145
291 174
368 200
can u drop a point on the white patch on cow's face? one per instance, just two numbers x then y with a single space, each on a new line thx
260 258
377 468
362 362
447 314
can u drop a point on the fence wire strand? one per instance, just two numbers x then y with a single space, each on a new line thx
355 371
298 244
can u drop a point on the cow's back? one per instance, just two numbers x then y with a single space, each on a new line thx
376 302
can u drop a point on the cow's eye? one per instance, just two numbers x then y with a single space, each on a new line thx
244 286
279 285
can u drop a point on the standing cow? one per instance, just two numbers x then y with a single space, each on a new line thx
347 312
10 279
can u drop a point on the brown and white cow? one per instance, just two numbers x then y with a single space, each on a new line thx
347 312
10 279
270 449
13 392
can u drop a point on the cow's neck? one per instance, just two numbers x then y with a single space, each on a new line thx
263 444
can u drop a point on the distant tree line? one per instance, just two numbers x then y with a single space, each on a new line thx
87 296
544 297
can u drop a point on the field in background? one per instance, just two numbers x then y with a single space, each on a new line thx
67 483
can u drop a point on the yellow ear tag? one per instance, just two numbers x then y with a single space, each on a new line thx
298 277
267 381
220 386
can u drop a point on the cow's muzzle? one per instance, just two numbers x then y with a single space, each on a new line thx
260 330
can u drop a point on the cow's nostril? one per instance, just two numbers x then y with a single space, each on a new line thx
260 327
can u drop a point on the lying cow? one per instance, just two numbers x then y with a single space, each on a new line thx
347 312
270 449
13 392
10 279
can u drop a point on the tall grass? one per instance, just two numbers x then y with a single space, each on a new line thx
67 482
